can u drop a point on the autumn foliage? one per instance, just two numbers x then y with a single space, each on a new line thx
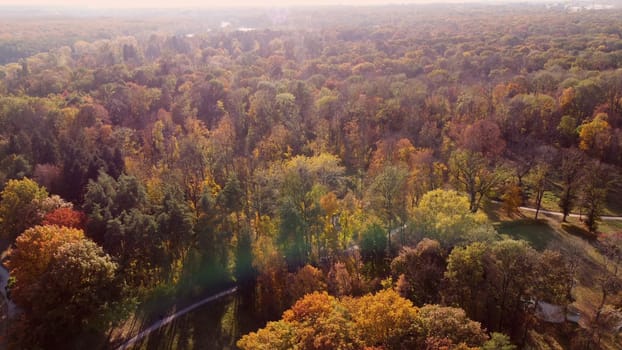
19 205
382 320
62 280
31 256
66 217
338 150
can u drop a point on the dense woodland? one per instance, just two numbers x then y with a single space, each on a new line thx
334 163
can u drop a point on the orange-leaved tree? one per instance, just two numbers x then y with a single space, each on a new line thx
66 217
383 320
63 281
31 256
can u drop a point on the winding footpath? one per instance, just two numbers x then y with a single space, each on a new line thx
556 213
154 327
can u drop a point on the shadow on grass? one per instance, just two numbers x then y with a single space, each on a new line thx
216 325
536 232
199 280
613 205
492 211
579 232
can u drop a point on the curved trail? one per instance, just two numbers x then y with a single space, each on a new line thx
171 318
548 212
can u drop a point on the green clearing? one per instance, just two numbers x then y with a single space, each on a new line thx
610 226
536 232
614 204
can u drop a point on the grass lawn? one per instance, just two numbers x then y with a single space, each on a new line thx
549 201
614 204
610 226
536 232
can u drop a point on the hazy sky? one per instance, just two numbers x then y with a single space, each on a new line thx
196 3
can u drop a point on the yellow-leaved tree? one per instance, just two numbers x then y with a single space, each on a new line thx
445 215
19 206
383 320
595 136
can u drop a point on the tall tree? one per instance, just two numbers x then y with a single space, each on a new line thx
193 171
538 181
388 198
421 270
122 220
445 215
475 174
30 257
492 281
303 182
19 206
572 161
511 276
78 284
465 274
594 186
373 244
595 136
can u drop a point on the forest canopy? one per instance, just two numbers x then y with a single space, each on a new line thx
333 164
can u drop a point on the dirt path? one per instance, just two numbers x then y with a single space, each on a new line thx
548 212
557 213
154 327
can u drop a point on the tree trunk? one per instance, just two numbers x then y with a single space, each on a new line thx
473 201
539 202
